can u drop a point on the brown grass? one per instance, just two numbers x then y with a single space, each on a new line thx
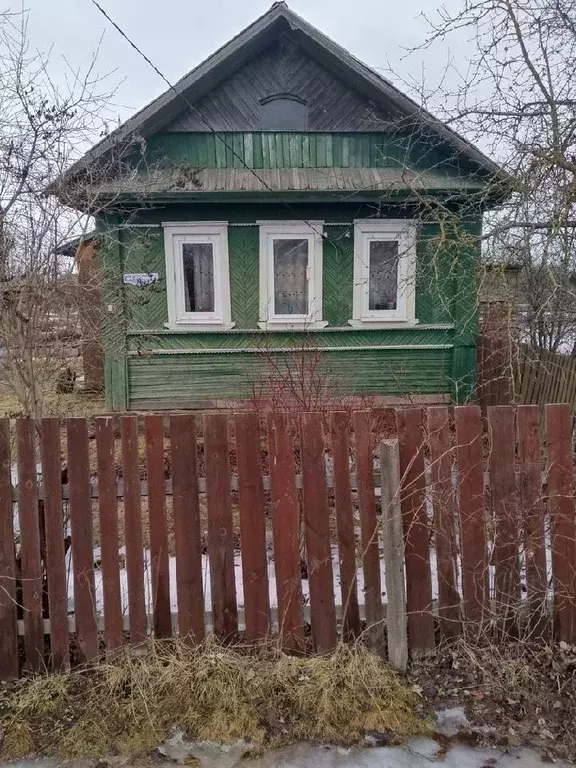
212 692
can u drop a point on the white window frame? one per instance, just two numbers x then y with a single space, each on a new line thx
403 232
177 234
312 231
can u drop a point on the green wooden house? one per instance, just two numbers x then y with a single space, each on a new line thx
285 196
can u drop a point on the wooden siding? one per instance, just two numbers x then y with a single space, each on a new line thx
179 381
301 150
283 68
146 308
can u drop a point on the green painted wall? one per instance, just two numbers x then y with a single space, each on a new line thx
302 150
148 366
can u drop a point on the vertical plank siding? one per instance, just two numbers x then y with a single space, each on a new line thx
252 526
505 521
562 518
220 526
187 530
317 526
449 482
31 567
472 523
108 515
532 506
162 619
133 528
369 529
410 423
444 508
55 532
340 425
286 533
82 539
8 575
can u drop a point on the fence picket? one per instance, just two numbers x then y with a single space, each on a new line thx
252 526
472 525
8 575
220 526
108 514
286 533
159 559
317 527
562 519
82 539
133 528
410 424
55 532
532 506
444 505
31 567
187 534
340 424
369 530
506 521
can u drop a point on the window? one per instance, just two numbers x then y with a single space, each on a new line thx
283 112
291 274
384 267
197 278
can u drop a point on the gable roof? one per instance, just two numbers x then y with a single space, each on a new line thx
262 32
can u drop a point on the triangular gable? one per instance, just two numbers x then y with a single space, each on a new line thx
284 67
259 36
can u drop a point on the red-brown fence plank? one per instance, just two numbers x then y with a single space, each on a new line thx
31 568
472 522
286 533
506 522
444 504
133 528
108 513
317 527
252 526
220 525
410 423
55 533
369 530
187 531
8 627
340 424
82 538
562 518
532 506
162 620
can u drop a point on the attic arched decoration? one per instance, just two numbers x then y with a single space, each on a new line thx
283 112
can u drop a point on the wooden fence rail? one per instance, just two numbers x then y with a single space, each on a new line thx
118 528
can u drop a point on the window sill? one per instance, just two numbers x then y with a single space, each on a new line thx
198 327
379 323
281 325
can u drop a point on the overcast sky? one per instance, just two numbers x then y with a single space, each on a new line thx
178 34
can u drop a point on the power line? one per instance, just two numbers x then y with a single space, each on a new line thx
197 112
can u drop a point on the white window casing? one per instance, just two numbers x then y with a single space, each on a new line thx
208 233
310 235
400 231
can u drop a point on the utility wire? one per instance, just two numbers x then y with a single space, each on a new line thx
200 115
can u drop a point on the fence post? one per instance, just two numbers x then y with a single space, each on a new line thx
393 554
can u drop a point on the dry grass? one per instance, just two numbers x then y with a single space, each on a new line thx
212 692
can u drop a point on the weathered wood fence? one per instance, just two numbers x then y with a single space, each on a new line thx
464 513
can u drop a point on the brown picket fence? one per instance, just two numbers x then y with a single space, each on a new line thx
306 529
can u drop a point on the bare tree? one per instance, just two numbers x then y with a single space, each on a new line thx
517 100
43 128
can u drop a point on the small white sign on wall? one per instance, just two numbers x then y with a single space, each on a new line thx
140 279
